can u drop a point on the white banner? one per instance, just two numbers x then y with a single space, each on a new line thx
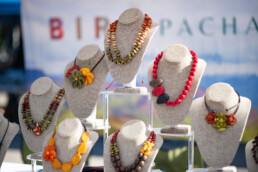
222 32
225 31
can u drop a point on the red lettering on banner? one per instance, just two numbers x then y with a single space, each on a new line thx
55 26
101 24
78 26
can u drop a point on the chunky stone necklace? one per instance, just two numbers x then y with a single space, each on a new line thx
159 90
50 153
141 157
111 37
255 149
38 127
221 121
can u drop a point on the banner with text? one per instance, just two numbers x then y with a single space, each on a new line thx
223 33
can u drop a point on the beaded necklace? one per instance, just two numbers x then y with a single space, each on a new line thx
1 143
81 76
255 149
50 153
141 157
159 90
111 37
38 127
221 121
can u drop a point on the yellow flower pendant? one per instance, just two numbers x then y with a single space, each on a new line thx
88 76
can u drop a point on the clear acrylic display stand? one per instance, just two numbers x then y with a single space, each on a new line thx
189 134
104 122
34 158
107 94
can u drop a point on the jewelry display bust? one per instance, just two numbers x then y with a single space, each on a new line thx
252 166
67 139
8 131
128 26
42 93
130 140
218 148
82 100
174 68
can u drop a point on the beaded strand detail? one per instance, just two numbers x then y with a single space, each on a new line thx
255 149
38 127
141 157
111 38
159 90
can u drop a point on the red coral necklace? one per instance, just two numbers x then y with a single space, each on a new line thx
159 90
221 121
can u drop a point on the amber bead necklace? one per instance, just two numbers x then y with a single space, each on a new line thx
255 149
141 157
38 127
50 153
221 121
111 38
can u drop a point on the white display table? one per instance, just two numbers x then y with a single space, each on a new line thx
15 167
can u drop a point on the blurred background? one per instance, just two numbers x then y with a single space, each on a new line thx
39 37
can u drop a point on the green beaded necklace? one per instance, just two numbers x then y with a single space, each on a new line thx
38 127
111 38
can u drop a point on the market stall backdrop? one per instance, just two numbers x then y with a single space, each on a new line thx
223 32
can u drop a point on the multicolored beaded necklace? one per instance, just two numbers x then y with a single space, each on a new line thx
38 127
255 149
159 90
81 76
50 153
221 121
141 157
111 37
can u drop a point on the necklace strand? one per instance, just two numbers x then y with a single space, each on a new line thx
221 121
111 38
235 111
255 148
159 90
50 153
38 127
141 157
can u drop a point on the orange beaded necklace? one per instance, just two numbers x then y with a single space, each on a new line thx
50 153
